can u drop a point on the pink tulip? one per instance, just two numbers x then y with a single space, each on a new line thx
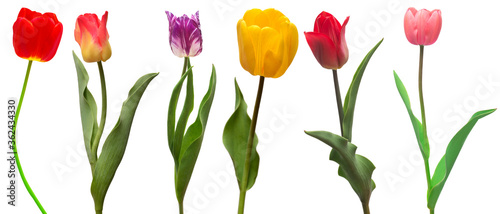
422 27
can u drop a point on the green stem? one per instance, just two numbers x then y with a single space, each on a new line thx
185 67
181 207
339 101
15 141
186 64
431 211
104 103
422 109
366 207
246 169
98 212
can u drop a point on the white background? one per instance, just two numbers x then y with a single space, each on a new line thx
295 176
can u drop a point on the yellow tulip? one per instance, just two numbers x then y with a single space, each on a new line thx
267 41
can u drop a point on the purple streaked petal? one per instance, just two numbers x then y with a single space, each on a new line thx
185 35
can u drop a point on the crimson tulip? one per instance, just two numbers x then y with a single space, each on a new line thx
36 36
92 36
422 27
327 41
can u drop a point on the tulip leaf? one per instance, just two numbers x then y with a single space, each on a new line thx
423 143
176 133
444 166
116 142
191 142
88 108
352 93
354 168
235 138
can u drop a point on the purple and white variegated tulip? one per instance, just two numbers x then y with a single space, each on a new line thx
185 34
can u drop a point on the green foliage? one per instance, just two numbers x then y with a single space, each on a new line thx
116 143
185 147
235 138
354 168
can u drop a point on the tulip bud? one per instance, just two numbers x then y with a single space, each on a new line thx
267 41
92 36
327 41
36 36
185 35
422 27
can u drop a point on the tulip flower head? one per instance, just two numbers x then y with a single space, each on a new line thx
185 34
327 41
267 42
92 36
422 27
36 36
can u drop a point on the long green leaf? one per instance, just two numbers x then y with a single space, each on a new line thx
423 143
88 108
354 168
175 137
114 146
352 93
444 167
235 138
191 143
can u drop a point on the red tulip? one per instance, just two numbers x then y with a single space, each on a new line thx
92 36
327 42
422 27
36 35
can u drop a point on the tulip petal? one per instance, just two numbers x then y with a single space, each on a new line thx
24 33
90 50
250 16
103 37
28 14
343 51
329 25
433 27
53 40
45 27
290 43
421 17
323 49
271 44
246 47
254 37
102 32
410 25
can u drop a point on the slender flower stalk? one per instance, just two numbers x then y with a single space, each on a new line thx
422 110
339 100
366 207
104 101
185 67
246 170
16 156
424 123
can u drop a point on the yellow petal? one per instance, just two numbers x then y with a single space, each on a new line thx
291 42
106 51
273 18
250 15
246 47
254 37
90 50
272 51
